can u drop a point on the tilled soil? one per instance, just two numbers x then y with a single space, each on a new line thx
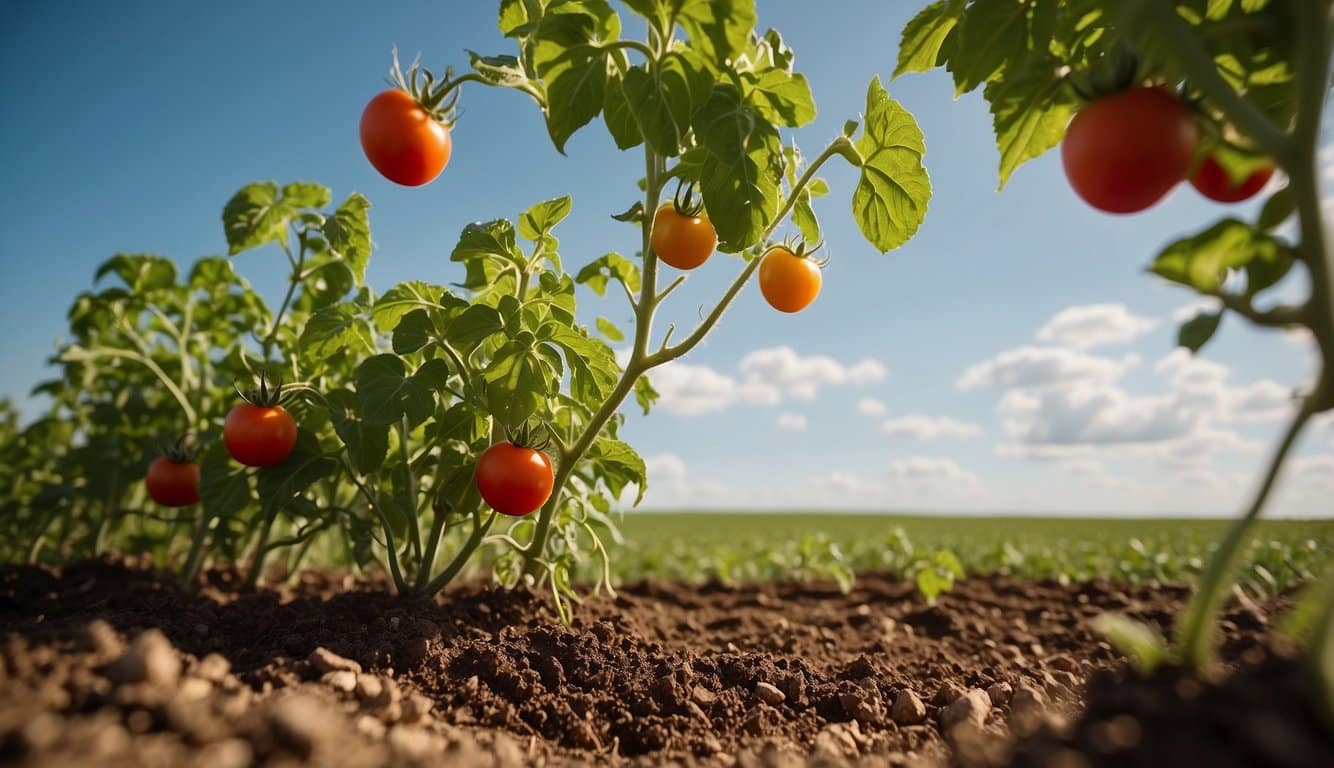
107 664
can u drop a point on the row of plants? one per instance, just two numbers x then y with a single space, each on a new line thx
426 414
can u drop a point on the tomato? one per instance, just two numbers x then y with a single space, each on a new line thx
258 435
1213 181
1125 152
404 142
681 240
514 480
173 483
789 282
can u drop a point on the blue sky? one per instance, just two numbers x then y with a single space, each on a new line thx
127 131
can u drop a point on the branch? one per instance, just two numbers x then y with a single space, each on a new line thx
1282 316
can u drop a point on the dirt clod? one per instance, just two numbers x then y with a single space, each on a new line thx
908 709
325 661
972 707
149 659
769 694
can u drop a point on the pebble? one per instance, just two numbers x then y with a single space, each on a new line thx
149 659
410 743
101 639
908 709
228 753
947 692
860 707
972 707
214 668
300 722
769 694
417 708
370 726
342 680
369 688
1026 698
838 740
325 661
1000 693
703 696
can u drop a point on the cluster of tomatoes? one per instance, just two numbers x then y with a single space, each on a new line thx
1125 151
258 432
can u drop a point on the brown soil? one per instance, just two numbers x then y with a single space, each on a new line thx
108 664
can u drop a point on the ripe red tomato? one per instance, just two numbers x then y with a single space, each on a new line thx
514 480
683 241
789 282
259 436
404 142
1213 181
1125 152
173 483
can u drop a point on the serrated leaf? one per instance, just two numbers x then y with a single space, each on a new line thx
349 233
645 394
569 58
992 35
334 329
1203 260
472 326
366 444
538 220
502 71
742 173
611 266
662 102
783 98
1030 109
718 29
892 195
387 393
1197 331
621 466
516 384
920 48
255 216
485 248
407 297
609 329
141 273
306 194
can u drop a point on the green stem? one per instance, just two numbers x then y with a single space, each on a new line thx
1196 631
390 547
266 343
195 558
1313 52
261 553
162 376
414 532
461 558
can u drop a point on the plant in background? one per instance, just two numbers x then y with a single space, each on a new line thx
1180 89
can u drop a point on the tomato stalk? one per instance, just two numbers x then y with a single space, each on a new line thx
195 557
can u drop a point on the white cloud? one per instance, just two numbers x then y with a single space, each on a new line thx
933 472
1094 325
791 421
1034 367
1327 163
1264 400
871 407
921 427
769 376
1189 311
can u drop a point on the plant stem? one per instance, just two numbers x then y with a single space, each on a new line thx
461 558
162 376
256 568
414 531
267 342
1196 631
195 557
1313 52
391 548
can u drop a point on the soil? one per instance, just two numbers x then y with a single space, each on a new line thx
106 663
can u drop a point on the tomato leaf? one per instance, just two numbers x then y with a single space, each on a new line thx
349 233
741 176
307 465
367 444
992 33
334 329
892 195
415 330
516 384
387 393
609 329
141 273
1197 331
538 220
621 466
1203 261
224 488
922 47
1030 109
406 297
611 266
569 57
255 216
662 102
306 194
645 394
486 248
718 29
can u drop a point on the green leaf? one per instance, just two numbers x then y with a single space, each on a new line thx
403 298
538 220
367 445
1278 208
662 102
992 34
1139 642
611 266
645 394
349 234
306 194
513 17
334 329
224 488
501 71
387 393
413 332
609 329
931 583
1204 260
255 216
485 248
568 56
742 174
920 49
307 465
891 198
516 382
718 29
803 215
473 326
620 465
593 367
141 273
1197 331
1030 110
616 113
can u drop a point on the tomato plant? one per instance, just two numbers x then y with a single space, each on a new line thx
1255 77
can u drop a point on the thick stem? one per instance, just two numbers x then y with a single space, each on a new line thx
1196 631
1313 52
261 553
461 558
391 548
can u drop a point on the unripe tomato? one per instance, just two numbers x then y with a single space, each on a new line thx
1213 181
173 483
514 480
1125 152
789 282
404 142
683 241
259 436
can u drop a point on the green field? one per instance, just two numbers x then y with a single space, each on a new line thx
759 546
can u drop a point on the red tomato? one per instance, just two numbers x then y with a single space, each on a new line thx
172 483
259 436
684 242
789 282
1125 152
1213 181
403 141
514 480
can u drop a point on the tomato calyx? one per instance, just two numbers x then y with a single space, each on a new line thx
799 248
179 451
264 396
527 435
1111 74
685 202
436 98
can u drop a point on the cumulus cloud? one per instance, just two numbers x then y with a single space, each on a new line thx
1036 367
921 427
932 471
871 407
768 377
791 421
1094 325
